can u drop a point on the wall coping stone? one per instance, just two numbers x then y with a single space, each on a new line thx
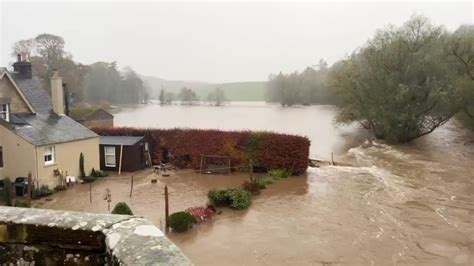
127 240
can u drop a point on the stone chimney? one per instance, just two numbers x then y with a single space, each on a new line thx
57 93
23 67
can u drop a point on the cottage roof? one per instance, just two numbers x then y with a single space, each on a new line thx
35 94
119 140
43 127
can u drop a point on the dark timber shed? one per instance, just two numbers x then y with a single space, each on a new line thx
133 153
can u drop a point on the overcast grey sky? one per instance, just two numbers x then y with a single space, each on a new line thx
209 41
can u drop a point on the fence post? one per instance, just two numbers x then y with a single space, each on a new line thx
131 187
120 162
29 190
251 170
200 166
166 210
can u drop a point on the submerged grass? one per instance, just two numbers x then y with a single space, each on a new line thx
273 175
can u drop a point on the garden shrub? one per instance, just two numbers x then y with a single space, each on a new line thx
7 191
42 191
239 198
98 173
266 149
236 198
218 198
265 181
21 203
279 174
122 208
82 173
181 221
201 213
253 187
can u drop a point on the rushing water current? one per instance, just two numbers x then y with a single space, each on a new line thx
397 205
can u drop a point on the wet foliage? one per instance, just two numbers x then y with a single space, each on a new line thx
181 221
122 208
235 198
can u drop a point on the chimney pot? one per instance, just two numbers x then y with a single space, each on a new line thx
23 67
55 73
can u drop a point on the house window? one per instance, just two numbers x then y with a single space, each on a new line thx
49 155
1 157
109 152
5 111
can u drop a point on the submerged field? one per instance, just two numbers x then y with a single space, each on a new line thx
399 205
348 215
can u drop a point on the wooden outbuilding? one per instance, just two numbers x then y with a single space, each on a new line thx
123 153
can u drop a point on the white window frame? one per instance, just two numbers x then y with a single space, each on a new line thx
106 154
5 110
49 151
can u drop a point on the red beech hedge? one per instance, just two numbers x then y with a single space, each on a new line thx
267 150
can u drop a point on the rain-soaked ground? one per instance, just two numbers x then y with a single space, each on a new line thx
399 205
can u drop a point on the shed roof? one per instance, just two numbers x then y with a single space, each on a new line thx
88 113
119 140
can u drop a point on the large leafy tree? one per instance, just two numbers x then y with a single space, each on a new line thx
217 97
51 48
46 52
101 82
459 48
132 89
284 89
187 96
307 87
396 85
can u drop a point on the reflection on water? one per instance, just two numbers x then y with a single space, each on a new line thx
403 205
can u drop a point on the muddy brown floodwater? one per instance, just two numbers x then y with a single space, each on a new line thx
409 204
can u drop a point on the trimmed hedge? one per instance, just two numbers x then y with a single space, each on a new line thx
266 149
181 221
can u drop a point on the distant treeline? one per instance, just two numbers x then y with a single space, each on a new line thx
305 88
402 84
100 82
189 97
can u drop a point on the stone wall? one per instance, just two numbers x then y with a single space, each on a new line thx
49 237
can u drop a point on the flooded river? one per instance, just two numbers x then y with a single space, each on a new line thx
399 205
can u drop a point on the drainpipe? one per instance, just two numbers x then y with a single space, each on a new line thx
36 165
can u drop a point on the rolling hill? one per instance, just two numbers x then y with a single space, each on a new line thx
234 91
